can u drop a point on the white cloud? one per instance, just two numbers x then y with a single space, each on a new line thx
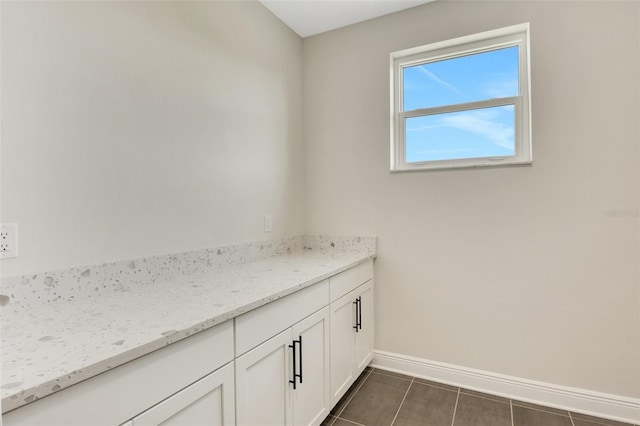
444 151
483 122
420 128
440 81
501 88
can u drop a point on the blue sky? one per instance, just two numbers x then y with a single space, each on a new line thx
486 132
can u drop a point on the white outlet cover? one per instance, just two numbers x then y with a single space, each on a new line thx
268 227
8 240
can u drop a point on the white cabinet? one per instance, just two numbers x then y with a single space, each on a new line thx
122 393
351 338
262 388
311 398
240 372
351 318
207 402
364 334
265 376
342 346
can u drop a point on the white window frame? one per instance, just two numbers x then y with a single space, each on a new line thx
516 35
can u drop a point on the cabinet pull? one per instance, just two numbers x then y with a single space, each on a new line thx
293 346
300 341
295 370
358 304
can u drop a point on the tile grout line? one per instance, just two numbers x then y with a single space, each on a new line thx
483 395
401 403
349 421
384 373
453 419
354 394
459 391
511 409
542 409
426 382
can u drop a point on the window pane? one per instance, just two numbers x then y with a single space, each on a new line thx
479 133
477 77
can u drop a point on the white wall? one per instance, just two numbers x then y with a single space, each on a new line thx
135 128
514 270
139 128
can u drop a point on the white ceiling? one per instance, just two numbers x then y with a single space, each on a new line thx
309 17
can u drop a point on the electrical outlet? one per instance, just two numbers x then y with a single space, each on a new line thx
267 223
8 240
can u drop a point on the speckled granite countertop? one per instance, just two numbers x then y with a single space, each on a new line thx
62 327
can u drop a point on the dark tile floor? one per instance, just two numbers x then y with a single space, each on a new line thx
383 398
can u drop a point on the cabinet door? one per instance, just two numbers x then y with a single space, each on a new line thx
207 402
342 346
263 391
364 336
311 398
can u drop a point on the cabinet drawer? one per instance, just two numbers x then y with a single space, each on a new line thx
265 322
119 394
348 280
209 401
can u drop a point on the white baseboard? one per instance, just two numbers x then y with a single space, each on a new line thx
588 402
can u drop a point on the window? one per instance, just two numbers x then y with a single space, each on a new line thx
462 102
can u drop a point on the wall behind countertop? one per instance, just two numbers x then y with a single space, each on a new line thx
139 128
523 271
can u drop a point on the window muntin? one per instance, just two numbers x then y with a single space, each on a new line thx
462 102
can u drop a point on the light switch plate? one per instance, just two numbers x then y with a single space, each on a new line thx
8 240
267 223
